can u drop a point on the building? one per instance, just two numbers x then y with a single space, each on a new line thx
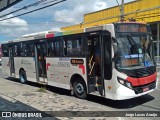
142 10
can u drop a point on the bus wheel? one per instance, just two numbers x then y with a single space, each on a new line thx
79 89
22 77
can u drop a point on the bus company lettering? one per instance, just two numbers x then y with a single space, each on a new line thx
61 64
64 59
77 61
27 62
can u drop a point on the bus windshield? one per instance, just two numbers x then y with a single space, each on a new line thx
134 51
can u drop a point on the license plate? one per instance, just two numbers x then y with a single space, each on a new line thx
145 89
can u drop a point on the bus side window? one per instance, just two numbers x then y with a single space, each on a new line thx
28 49
58 48
49 49
73 46
69 47
21 50
18 50
31 47
5 51
55 48
25 49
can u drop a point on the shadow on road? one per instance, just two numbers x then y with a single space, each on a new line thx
50 88
119 104
14 106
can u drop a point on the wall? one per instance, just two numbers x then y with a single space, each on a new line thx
141 10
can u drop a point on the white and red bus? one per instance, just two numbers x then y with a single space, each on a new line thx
115 61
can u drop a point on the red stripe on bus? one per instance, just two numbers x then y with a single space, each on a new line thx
47 66
83 68
142 81
49 35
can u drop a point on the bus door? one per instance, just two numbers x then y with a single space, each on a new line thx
40 59
95 78
11 61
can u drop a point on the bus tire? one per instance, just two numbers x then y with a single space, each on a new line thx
79 89
23 77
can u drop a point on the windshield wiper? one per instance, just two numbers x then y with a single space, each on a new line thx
134 47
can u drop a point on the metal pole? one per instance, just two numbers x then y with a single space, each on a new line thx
122 10
158 38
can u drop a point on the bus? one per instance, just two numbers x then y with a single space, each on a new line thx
115 61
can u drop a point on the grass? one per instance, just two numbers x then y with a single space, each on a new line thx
42 89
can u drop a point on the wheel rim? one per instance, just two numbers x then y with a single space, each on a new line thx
79 88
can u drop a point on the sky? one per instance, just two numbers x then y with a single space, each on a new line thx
67 13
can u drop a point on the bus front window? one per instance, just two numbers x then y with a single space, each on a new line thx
133 52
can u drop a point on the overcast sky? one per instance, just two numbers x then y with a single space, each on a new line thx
63 14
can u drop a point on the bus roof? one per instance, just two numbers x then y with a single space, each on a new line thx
42 35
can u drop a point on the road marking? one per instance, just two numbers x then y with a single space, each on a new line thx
120 118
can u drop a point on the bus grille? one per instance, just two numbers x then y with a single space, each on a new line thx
139 89
139 73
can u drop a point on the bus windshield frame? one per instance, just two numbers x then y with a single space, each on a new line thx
134 51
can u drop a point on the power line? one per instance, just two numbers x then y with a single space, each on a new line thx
25 7
34 10
48 2
28 6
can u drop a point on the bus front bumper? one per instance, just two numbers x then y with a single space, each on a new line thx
124 93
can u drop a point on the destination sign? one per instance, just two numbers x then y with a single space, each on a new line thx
129 62
77 61
131 27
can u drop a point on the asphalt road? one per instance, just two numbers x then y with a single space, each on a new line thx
15 96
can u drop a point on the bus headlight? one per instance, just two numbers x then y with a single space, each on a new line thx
124 82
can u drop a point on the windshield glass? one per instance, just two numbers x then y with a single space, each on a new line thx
133 51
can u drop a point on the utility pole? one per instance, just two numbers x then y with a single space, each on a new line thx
122 11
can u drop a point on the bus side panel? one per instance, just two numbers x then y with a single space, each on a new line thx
55 73
60 71
77 68
111 85
5 66
28 64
